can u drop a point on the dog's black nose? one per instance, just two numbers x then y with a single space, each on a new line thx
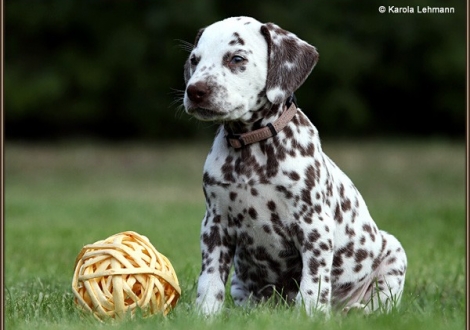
198 92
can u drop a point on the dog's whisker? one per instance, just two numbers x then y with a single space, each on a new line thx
184 45
178 102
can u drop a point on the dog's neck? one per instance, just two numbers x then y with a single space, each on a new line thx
269 113
273 121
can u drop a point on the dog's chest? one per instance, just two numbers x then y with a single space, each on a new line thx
248 204
255 195
249 179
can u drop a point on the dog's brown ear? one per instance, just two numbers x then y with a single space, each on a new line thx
187 73
290 61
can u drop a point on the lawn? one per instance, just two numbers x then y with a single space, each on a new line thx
59 197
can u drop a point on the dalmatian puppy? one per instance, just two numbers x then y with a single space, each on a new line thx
278 210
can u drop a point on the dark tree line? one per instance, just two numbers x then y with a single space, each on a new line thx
113 69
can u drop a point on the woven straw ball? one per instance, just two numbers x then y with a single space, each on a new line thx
121 274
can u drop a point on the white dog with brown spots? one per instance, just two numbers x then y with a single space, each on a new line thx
278 209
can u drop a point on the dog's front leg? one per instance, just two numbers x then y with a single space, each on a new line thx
217 256
317 259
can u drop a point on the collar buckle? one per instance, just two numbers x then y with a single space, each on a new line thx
235 140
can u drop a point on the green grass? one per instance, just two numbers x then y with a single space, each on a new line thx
63 196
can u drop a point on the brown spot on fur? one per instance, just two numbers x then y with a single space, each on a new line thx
233 196
212 238
271 206
293 176
338 215
346 205
237 41
314 236
267 229
360 255
253 214
357 268
313 266
220 296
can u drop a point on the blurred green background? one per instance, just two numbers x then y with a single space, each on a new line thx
389 90
113 69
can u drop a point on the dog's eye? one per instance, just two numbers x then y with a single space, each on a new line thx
236 59
194 60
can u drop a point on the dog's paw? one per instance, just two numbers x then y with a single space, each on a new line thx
354 308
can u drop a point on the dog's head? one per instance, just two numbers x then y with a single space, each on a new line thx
238 65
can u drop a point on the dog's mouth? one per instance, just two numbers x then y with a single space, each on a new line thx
206 114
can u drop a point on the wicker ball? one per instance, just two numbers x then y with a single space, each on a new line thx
124 273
